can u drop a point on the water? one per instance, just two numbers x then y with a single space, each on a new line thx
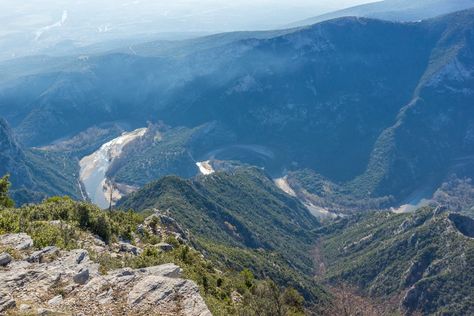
94 167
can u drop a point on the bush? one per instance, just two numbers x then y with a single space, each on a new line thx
5 200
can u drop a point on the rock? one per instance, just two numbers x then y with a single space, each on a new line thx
46 312
417 269
153 290
55 300
6 302
411 299
5 259
464 224
236 297
37 256
164 246
82 276
129 248
24 308
169 270
440 210
170 223
17 241
81 256
165 292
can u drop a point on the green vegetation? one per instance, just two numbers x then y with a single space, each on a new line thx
338 198
5 200
62 222
242 220
424 261
58 221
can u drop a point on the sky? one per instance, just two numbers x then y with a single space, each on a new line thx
31 25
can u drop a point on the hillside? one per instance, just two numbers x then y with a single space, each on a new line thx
35 173
374 118
394 10
416 263
240 218
63 257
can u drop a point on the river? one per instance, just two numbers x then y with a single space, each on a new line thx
94 167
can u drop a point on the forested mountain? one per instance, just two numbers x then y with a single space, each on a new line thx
419 262
284 171
242 219
383 118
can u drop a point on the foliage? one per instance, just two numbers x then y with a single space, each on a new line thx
5 200
64 223
78 215
387 255
337 198
242 220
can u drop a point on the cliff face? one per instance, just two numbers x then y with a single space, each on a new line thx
12 157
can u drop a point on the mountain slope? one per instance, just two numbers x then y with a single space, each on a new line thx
376 118
35 173
394 10
420 262
242 219
433 132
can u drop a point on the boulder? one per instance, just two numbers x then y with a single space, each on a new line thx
81 256
17 241
165 292
129 248
169 270
37 256
5 259
82 276
164 246
58 299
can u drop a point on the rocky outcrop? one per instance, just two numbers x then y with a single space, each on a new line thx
464 224
68 282
16 241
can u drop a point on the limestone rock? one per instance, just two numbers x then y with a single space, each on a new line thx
5 259
6 302
17 241
164 246
84 291
37 256
55 300
129 248
82 276
24 308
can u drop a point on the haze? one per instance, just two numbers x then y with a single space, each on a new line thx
44 26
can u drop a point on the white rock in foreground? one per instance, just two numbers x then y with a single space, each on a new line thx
68 282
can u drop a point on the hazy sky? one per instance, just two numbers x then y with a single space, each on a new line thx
169 15
28 26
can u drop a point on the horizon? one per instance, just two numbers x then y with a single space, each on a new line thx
33 27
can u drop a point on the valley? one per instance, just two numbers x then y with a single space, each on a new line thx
322 169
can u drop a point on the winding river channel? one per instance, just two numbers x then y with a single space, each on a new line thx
94 167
